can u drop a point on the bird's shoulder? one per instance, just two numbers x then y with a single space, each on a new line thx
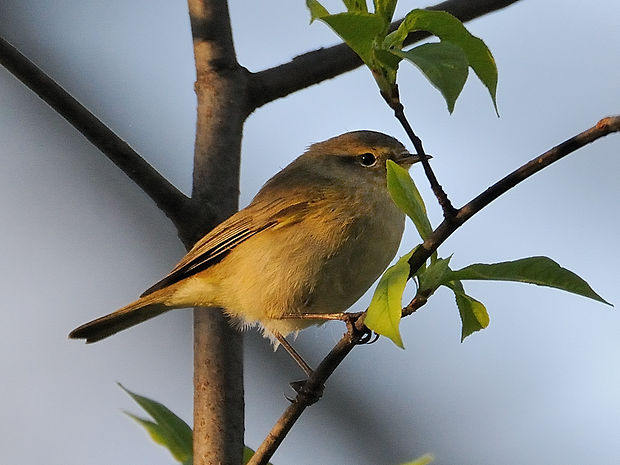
257 217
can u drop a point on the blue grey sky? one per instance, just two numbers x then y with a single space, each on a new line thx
539 386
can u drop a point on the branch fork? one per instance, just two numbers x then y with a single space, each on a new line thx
261 88
355 332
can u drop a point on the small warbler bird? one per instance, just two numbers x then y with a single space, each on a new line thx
313 240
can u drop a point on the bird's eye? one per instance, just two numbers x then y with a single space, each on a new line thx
367 159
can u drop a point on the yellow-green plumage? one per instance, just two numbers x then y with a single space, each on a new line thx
313 240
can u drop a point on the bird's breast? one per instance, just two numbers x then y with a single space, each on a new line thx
320 264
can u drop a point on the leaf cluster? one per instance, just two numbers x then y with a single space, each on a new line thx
445 63
385 310
167 429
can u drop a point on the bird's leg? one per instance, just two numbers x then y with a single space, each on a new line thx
353 320
293 353
341 316
311 396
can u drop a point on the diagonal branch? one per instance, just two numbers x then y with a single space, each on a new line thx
449 225
304 398
442 197
354 336
167 197
326 63
313 387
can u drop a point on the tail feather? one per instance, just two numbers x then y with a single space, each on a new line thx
136 312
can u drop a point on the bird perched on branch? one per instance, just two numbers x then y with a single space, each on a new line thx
313 240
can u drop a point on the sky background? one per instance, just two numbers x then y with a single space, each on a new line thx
539 386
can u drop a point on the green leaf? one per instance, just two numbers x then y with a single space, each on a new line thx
388 59
167 429
433 276
356 5
424 460
317 10
449 28
534 270
358 29
474 316
385 310
160 436
247 454
385 9
444 64
384 71
407 197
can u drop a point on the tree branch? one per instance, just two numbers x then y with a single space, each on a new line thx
313 387
399 113
326 63
167 197
449 225
306 397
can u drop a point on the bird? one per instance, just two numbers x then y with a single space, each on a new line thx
312 241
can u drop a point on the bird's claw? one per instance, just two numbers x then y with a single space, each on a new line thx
368 337
309 396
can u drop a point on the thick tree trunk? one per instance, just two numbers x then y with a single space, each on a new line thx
218 364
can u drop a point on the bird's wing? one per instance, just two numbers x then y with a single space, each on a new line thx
217 243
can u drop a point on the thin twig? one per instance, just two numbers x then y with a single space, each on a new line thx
326 63
399 112
314 386
167 197
307 395
449 225
417 302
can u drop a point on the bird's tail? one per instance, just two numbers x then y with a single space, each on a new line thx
136 312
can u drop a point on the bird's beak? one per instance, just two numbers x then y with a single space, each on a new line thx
407 159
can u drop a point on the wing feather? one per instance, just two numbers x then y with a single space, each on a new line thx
216 244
